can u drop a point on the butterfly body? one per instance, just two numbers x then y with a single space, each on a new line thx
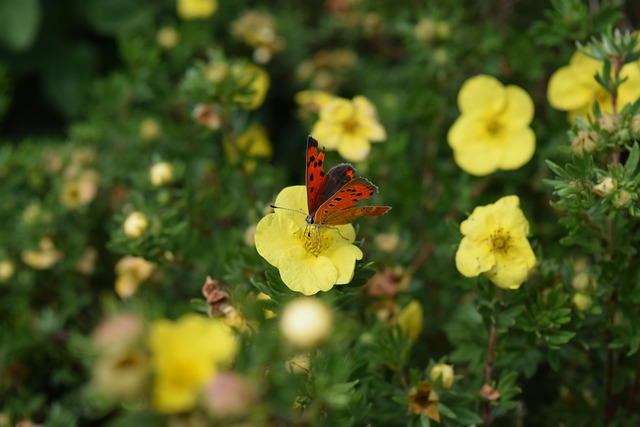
332 196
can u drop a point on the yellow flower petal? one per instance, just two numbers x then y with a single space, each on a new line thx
511 269
315 98
344 258
518 146
570 89
519 109
294 197
473 258
411 319
327 133
274 237
478 158
481 92
353 147
305 273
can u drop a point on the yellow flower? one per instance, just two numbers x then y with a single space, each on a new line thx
572 88
254 142
496 244
196 9
310 259
7 270
411 319
135 225
253 79
149 130
185 355
161 174
493 130
349 126
167 37
43 258
132 271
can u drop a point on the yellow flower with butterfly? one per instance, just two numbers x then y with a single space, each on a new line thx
311 243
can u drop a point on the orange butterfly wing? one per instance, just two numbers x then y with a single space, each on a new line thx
316 177
339 209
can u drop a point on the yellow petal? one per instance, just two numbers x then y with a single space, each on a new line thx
275 236
481 92
519 107
629 91
518 146
327 134
364 106
512 218
305 273
474 257
338 110
512 269
354 147
571 88
316 98
465 129
344 256
478 158
295 198
411 319
369 128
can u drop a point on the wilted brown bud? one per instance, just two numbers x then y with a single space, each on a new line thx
215 295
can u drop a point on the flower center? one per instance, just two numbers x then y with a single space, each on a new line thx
493 126
310 237
351 125
500 241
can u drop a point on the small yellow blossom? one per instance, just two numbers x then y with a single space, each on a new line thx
196 9
411 319
43 258
80 190
310 259
258 30
252 79
306 322
349 126
573 88
161 174
387 242
122 375
185 355
443 371
7 270
149 130
583 302
254 142
495 243
493 130
167 37
135 225
131 271
216 71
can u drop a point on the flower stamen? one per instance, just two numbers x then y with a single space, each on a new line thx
500 241
311 240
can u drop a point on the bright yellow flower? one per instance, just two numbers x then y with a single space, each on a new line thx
496 244
493 130
310 259
186 354
411 319
253 78
349 126
196 9
254 142
572 88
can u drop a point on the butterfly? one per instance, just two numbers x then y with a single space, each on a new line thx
332 196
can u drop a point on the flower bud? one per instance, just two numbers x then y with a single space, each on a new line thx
7 270
425 30
229 395
306 322
443 30
608 122
410 319
605 186
167 37
583 302
622 199
635 124
581 282
387 242
298 365
149 130
161 173
584 141
216 72
207 116
135 225
444 371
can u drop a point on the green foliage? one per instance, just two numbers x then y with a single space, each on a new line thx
139 85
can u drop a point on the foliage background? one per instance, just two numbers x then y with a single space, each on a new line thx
82 77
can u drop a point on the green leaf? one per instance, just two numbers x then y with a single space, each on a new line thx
558 170
632 162
19 23
118 16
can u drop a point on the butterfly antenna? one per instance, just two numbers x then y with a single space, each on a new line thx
289 209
